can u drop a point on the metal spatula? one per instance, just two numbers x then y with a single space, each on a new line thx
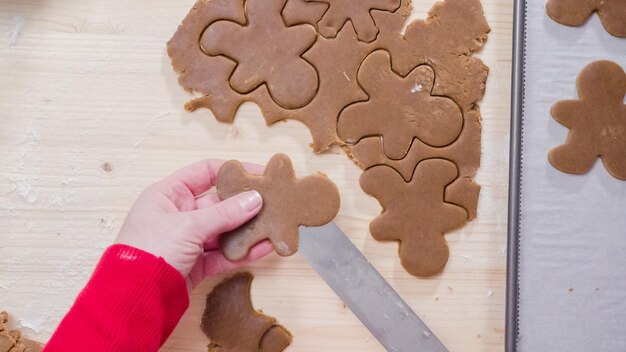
346 270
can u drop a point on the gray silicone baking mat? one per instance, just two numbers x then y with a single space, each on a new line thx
572 250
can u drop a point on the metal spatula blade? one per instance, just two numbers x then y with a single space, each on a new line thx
361 287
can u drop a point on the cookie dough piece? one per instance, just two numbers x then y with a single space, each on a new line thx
12 340
231 322
288 202
576 12
415 213
266 52
399 108
597 122
276 339
30 345
6 342
357 12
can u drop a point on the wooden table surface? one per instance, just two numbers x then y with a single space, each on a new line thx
91 113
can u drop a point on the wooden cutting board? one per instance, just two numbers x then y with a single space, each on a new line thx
91 114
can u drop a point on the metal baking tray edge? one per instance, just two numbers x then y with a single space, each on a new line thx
515 170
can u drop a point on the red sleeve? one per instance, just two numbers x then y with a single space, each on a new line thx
132 302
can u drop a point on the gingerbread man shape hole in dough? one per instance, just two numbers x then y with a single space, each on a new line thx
576 12
359 13
415 213
399 109
597 122
266 52
288 202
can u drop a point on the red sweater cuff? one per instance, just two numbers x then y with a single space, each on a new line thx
132 302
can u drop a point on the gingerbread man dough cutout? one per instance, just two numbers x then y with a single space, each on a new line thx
597 122
415 213
233 325
357 12
576 12
288 202
266 52
399 108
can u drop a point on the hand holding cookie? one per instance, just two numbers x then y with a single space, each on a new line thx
174 219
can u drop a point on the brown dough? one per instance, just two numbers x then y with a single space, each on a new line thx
357 12
200 72
209 75
415 213
454 29
288 202
6 342
399 108
597 122
31 345
276 339
266 52
576 12
232 324
338 87
12 340
445 40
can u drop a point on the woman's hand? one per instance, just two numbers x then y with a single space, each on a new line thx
176 219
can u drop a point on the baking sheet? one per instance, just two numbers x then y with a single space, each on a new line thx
572 260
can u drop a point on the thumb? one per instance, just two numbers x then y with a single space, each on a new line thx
226 215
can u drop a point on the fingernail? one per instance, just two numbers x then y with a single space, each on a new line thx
250 200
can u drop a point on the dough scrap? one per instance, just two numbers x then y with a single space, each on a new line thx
597 122
12 340
233 325
399 109
266 52
288 202
576 12
357 12
415 213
